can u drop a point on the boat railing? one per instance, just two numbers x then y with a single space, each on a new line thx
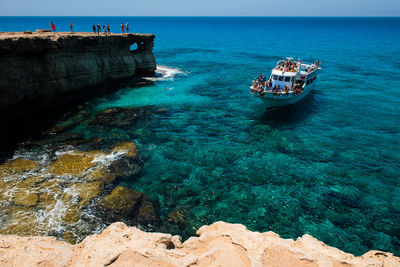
261 89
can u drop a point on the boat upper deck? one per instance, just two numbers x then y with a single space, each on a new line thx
289 67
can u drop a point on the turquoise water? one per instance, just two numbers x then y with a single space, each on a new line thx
328 166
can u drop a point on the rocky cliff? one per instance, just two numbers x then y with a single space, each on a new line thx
220 244
41 69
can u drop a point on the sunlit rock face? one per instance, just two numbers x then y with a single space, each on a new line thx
219 244
41 68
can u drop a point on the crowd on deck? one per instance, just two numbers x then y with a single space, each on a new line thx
289 65
262 85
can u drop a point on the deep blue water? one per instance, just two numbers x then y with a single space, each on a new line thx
328 166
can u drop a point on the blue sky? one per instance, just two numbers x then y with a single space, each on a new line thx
200 8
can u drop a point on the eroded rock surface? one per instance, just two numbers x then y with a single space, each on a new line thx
220 244
41 69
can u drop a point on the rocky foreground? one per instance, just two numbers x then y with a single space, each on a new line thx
220 244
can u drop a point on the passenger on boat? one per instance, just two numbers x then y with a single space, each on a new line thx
286 90
264 79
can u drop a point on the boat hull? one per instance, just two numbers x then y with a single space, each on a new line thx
270 101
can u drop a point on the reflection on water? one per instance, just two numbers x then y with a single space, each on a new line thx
290 115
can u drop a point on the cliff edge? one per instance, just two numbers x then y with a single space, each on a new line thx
220 244
42 69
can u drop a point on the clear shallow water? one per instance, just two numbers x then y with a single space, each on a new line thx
328 166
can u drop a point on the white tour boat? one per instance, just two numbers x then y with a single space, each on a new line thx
290 81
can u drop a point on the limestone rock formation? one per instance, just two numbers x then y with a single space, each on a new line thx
220 244
41 69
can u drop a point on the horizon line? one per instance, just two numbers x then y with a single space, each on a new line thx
216 16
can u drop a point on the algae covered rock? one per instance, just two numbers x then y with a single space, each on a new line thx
70 238
147 212
17 166
49 190
129 148
22 221
71 215
87 191
118 117
100 174
74 164
127 204
27 199
51 197
178 216
30 182
122 201
126 165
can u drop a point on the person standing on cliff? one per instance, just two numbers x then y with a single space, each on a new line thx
122 27
98 29
94 29
108 28
127 27
53 26
71 26
104 30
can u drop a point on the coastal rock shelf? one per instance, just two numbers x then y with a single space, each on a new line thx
43 69
220 244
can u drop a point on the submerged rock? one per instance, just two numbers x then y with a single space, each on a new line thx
23 221
131 206
74 163
54 196
17 166
72 215
124 167
27 199
147 213
127 165
101 173
129 148
87 191
118 117
122 201
178 216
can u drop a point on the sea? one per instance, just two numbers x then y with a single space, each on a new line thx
328 166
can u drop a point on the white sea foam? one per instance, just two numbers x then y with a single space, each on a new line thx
108 158
165 73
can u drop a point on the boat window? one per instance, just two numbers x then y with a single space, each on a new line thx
275 77
281 78
287 79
